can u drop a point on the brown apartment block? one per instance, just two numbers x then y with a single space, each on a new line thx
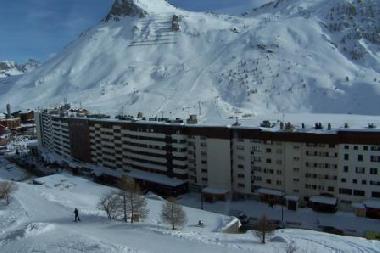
11 123
326 169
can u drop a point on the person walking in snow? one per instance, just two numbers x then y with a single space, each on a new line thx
76 213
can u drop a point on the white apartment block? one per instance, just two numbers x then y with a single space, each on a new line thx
337 168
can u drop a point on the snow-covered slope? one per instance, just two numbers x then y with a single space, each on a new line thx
11 68
39 219
288 56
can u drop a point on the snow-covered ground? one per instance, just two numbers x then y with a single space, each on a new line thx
39 219
10 171
302 218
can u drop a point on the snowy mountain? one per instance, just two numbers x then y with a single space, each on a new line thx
320 56
11 68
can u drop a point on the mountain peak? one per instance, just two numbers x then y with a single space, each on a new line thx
11 68
137 8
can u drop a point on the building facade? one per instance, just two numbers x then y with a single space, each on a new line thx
328 167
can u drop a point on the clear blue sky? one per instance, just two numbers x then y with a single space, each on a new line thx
40 28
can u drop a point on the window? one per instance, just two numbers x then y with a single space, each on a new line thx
375 159
269 160
354 181
330 189
278 182
343 180
279 172
375 148
375 194
365 148
204 162
360 158
268 150
364 182
296 169
346 157
268 181
241 176
355 147
241 185
373 171
345 169
359 193
345 191
296 179
240 166
204 170
296 158
360 170
346 147
241 157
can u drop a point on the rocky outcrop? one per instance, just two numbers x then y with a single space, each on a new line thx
123 8
11 68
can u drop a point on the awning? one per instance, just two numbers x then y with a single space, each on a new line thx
156 178
292 198
375 204
215 191
324 200
270 192
358 205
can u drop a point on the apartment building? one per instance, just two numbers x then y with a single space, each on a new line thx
333 168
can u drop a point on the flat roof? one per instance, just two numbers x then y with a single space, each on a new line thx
156 178
270 192
375 204
292 198
323 200
215 190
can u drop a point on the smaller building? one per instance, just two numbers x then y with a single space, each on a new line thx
324 204
2 129
11 123
26 117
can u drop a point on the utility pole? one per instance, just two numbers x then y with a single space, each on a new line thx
202 200
282 215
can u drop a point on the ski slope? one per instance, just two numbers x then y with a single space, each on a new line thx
39 219
292 56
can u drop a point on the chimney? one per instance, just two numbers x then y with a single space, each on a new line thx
9 113
192 119
371 125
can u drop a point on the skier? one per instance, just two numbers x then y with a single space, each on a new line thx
76 213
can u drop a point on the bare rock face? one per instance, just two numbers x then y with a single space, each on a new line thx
122 8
